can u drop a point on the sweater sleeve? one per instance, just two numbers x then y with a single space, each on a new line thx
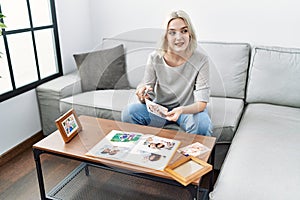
202 88
149 75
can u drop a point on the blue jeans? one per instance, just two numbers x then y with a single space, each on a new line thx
198 123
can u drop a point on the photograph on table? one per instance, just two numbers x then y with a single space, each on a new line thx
68 125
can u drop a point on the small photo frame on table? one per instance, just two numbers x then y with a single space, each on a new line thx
188 169
68 125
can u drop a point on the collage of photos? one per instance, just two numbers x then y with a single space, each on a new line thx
136 148
112 152
154 142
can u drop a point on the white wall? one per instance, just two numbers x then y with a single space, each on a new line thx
74 24
19 119
83 23
262 22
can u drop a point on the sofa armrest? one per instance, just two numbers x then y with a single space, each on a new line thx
49 95
63 86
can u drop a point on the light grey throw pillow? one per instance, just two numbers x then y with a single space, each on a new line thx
103 69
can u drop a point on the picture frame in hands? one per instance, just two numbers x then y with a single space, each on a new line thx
188 169
68 125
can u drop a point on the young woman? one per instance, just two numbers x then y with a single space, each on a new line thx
177 77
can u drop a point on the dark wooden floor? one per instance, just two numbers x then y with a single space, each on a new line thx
18 179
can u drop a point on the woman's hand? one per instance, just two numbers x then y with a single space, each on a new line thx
196 107
142 93
174 114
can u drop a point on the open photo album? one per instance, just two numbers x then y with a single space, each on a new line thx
144 150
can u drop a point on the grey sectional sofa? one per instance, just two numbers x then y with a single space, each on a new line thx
264 158
255 105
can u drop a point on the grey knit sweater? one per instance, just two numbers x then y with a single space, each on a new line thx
178 86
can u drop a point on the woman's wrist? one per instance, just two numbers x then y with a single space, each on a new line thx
181 109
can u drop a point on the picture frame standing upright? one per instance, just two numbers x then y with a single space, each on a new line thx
68 125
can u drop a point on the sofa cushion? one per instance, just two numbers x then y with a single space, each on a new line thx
101 103
229 62
228 67
136 52
103 69
225 114
264 152
274 76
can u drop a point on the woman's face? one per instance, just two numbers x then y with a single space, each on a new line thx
178 36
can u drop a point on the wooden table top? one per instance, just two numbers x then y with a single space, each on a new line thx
95 129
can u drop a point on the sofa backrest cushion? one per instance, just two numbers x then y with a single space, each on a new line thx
136 55
274 76
102 69
229 61
228 67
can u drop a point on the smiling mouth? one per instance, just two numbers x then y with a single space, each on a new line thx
179 44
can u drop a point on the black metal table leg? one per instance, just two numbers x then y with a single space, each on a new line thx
37 159
193 189
87 171
212 176
203 193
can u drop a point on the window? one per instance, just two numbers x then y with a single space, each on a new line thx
29 46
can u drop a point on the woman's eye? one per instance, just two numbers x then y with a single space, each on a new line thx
172 33
184 31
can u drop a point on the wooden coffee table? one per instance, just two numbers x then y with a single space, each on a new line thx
94 129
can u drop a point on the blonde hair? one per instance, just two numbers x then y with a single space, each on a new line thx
184 16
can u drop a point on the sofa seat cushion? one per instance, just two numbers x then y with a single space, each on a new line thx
225 114
264 152
100 103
